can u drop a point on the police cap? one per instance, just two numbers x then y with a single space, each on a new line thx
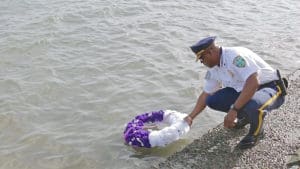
200 46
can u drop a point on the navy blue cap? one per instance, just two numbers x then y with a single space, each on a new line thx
200 46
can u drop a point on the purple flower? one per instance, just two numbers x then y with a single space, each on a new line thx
133 124
151 117
135 135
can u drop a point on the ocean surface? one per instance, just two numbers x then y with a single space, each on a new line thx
73 73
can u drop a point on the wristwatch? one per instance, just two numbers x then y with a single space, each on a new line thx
234 108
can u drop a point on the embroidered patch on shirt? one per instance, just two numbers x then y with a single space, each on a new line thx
239 61
207 76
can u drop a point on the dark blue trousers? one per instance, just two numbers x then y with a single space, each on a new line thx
263 101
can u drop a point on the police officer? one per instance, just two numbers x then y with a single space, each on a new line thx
240 83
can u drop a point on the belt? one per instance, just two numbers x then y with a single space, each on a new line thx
281 83
271 84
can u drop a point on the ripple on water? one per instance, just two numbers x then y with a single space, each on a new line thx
72 74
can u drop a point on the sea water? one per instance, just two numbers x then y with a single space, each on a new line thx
73 73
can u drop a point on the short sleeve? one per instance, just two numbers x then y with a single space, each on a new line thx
210 85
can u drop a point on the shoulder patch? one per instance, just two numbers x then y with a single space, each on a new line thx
239 61
208 75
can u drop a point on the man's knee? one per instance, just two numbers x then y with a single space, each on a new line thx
210 101
215 103
222 99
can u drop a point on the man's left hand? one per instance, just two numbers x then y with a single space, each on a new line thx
229 119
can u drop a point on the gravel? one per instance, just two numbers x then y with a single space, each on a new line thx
280 147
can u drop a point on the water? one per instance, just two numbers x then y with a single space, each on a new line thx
73 73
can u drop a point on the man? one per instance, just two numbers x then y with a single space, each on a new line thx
240 83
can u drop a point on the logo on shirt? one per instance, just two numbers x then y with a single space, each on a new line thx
239 61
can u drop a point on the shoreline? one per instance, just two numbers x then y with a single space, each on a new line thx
280 147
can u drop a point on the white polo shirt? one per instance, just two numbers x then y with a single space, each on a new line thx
236 65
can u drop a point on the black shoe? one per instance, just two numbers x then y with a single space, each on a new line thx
241 123
250 140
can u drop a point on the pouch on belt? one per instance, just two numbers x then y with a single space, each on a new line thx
282 83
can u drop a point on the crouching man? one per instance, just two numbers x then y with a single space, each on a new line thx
240 83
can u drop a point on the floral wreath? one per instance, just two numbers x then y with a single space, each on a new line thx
137 134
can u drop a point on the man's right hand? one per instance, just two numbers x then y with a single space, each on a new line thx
189 120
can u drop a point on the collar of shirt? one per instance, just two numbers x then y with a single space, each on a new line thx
222 63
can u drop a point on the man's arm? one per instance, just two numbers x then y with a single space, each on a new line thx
200 105
247 93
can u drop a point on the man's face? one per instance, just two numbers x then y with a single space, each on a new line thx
207 57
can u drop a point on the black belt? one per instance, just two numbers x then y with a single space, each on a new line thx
282 83
271 84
